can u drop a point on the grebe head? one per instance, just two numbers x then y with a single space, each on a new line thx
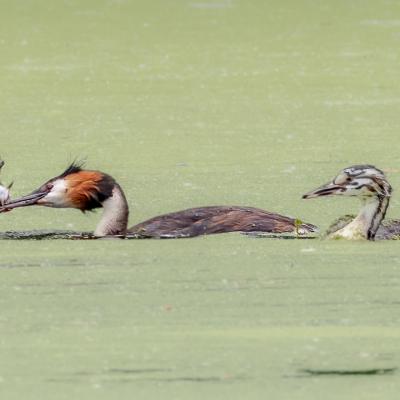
367 183
74 188
363 181
84 190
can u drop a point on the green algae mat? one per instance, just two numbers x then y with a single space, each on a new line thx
190 103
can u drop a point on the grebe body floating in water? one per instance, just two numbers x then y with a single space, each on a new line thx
86 190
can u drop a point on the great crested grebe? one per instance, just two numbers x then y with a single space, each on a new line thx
370 185
4 190
87 190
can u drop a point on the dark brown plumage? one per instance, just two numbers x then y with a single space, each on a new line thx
86 190
216 219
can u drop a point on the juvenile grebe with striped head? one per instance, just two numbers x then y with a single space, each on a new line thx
370 185
86 190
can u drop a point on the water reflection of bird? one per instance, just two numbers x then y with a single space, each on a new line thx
370 185
86 190
4 190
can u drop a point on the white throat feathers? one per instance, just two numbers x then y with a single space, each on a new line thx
115 216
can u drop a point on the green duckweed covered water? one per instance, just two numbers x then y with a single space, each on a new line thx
191 103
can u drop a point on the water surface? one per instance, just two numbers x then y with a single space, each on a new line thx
191 103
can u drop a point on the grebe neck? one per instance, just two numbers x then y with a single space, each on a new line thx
115 214
368 220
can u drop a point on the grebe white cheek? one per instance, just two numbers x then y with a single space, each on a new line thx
57 195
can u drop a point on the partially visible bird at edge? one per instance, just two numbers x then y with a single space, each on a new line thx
4 190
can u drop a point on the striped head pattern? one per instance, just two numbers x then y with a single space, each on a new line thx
358 180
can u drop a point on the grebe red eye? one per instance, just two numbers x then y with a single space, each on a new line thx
49 186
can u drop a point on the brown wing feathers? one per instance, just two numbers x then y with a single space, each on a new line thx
88 190
218 219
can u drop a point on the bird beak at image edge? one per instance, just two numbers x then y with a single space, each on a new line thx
24 201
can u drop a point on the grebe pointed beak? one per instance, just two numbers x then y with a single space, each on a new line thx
328 189
29 200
